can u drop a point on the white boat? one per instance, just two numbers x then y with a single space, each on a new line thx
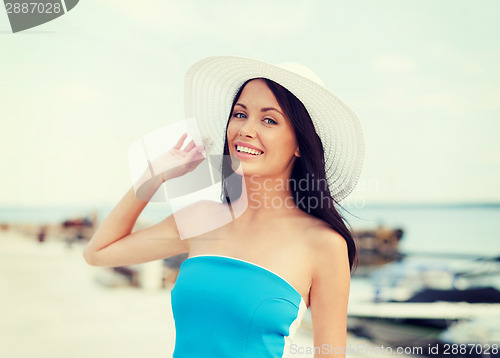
412 302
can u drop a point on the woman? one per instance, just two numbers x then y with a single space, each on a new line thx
295 149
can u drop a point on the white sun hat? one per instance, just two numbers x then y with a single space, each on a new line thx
212 83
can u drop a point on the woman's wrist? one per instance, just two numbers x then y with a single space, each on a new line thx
147 186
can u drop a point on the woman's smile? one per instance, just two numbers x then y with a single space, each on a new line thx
247 151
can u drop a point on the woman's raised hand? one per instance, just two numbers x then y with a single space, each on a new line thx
172 164
177 162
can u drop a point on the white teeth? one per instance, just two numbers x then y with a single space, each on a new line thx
241 148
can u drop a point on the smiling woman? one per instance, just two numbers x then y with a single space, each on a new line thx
282 126
248 281
260 135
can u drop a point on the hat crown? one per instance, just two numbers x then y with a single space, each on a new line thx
301 70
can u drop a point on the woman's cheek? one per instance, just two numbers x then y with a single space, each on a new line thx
231 129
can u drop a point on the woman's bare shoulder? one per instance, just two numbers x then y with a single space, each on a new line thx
318 234
310 223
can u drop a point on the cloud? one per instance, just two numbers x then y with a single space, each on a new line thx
233 19
79 93
154 13
472 68
397 99
391 63
492 100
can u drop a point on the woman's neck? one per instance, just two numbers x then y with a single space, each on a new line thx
263 197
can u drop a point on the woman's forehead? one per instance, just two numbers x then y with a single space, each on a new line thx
257 93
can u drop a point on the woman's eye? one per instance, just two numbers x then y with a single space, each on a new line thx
239 115
270 121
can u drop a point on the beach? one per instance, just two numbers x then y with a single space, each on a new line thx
53 304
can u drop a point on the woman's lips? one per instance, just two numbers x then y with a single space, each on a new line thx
248 145
243 155
245 151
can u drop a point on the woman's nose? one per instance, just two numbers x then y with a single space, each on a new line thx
247 129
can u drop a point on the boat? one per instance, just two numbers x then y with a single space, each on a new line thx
378 246
483 330
414 302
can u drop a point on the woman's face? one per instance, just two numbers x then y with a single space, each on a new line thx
260 135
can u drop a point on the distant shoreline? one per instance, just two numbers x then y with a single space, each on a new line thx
495 205
370 206
58 213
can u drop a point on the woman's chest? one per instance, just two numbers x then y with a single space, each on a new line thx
282 252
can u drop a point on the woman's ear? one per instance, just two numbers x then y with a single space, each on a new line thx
297 152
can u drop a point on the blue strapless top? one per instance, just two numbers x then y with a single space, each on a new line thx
227 307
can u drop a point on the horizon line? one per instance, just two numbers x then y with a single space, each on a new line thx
370 205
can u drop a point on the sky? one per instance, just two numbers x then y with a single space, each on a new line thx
422 75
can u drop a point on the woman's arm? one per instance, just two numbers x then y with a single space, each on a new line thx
114 244
330 295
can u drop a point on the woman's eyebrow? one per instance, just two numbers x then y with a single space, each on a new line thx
271 109
265 109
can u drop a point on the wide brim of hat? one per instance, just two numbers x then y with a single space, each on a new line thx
212 83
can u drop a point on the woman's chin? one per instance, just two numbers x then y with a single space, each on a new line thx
243 169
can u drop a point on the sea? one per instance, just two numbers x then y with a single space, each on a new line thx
466 230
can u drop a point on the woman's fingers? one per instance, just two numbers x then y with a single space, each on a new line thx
190 146
193 153
180 141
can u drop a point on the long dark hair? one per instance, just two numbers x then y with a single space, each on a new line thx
308 168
